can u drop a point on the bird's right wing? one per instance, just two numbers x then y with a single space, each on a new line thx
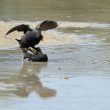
21 27
46 25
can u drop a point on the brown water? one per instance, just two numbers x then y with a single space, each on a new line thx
77 75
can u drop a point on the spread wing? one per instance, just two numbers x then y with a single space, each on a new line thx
21 27
46 25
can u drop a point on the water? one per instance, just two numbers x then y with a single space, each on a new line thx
77 75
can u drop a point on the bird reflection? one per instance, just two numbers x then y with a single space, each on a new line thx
31 83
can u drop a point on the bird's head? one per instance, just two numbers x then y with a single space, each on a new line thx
41 37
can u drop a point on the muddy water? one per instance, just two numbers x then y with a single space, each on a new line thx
77 75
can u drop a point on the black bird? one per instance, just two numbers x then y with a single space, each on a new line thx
32 37
34 56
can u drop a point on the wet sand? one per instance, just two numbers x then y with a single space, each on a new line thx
53 37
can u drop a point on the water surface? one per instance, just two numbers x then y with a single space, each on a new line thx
77 75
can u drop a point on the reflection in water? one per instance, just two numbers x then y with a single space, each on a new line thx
32 83
26 82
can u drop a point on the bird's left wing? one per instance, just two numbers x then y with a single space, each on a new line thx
21 27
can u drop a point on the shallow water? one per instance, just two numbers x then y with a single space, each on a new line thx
77 75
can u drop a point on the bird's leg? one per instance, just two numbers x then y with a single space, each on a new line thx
32 50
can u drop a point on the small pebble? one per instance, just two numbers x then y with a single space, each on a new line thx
65 78
59 68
